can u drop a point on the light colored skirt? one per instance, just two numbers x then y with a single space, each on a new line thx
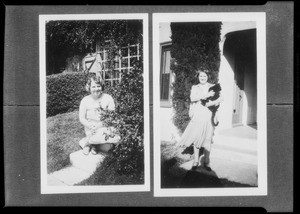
199 130
103 135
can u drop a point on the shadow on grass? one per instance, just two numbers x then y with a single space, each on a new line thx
173 176
106 174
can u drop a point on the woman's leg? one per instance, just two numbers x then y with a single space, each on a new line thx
206 153
206 159
105 147
83 143
196 157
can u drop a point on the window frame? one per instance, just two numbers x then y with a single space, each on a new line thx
118 59
165 103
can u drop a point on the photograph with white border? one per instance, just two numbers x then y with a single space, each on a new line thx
209 104
94 103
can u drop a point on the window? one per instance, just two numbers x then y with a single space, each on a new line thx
165 75
123 62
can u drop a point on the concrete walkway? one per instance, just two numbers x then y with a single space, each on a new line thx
82 167
233 156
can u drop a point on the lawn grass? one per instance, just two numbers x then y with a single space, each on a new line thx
106 174
63 134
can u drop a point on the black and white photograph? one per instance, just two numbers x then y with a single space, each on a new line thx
94 103
209 95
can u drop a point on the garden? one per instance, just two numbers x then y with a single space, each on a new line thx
124 163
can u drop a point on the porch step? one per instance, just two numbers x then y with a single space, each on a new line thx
240 139
230 154
87 163
247 146
67 176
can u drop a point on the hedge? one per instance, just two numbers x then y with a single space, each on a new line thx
64 92
194 46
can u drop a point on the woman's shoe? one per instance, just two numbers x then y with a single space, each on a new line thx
86 150
195 166
207 168
93 150
83 142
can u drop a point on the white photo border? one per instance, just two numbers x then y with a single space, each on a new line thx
46 189
260 19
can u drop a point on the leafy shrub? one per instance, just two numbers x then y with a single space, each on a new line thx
64 92
194 46
128 157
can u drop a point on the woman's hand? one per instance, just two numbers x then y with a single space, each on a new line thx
94 126
210 94
209 103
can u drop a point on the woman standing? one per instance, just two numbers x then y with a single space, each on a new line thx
199 131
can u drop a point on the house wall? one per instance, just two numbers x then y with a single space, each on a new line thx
226 79
169 132
164 32
250 88
246 51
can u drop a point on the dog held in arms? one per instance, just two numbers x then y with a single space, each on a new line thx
217 89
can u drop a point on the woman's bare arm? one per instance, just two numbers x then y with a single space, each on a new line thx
82 114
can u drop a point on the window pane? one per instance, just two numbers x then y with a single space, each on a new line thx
167 62
133 51
132 61
116 74
124 63
165 74
105 65
107 75
116 65
124 52
165 83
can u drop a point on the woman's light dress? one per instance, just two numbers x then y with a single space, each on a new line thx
200 129
93 115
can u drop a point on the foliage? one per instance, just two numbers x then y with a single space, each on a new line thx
65 39
64 92
194 46
74 64
128 156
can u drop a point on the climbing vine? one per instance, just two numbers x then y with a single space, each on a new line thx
194 46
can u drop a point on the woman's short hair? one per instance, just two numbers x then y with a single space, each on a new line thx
203 71
97 79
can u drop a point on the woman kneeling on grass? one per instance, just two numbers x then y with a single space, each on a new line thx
90 109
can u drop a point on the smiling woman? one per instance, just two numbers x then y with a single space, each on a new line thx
90 110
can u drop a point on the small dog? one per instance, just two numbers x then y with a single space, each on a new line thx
217 89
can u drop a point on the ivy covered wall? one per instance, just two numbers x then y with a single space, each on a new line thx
194 46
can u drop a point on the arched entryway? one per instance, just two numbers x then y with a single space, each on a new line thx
239 52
